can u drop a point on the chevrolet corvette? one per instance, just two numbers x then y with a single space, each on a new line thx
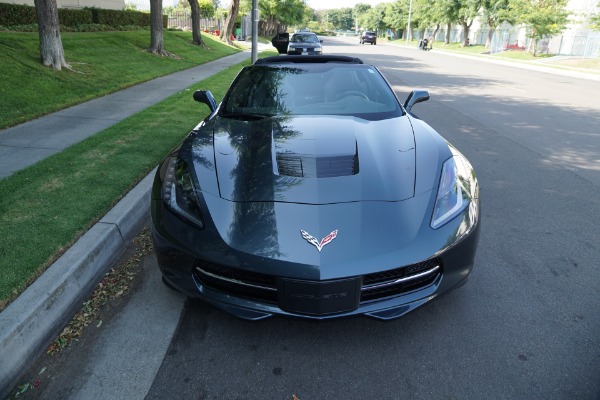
311 191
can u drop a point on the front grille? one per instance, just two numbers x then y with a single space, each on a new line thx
263 287
237 282
400 280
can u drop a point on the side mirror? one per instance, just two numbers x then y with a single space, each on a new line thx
320 40
206 97
416 96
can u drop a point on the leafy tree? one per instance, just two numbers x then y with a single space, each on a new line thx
448 10
396 15
51 48
199 9
467 12
232 14
358 13
437 16
595 20
277 15
375 18
542 17
494 13
341 18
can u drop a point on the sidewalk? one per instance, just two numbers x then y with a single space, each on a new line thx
537 65
28 143
32 321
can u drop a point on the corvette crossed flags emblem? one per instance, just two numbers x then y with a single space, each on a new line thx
313 240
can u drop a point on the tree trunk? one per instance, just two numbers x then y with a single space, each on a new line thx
435 31
448 33
466 34
156 28
490 36
532 44
196 35
51 48
230 22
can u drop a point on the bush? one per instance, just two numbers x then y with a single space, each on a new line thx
15 14
21 18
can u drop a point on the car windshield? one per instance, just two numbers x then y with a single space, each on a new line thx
370 33
304 38
315 89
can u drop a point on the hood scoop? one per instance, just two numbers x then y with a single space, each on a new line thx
316 167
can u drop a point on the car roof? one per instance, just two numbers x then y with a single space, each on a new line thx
321 59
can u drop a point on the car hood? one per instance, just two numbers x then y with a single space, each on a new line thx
310 159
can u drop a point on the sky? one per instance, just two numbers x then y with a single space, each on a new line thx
330 4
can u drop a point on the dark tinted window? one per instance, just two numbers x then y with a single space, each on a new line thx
318 89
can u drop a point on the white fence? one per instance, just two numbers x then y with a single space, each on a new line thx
586 45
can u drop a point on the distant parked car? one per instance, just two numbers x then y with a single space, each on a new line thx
305 43
301 43
368 37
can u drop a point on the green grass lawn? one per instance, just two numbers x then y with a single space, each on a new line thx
103 62
45 208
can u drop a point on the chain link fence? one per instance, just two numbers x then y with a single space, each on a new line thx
577 45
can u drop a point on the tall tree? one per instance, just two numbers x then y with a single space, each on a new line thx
156 28
51 48
396 15
543 18
358 12
199 8
374 18
467 12
595 20
232 14
494 13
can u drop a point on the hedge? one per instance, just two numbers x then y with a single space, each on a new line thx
14 15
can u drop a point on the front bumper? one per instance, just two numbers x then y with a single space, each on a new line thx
251 295
304 52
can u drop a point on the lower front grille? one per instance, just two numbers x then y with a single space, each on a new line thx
264 288
237 282
400 280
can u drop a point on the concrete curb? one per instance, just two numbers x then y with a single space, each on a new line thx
31 322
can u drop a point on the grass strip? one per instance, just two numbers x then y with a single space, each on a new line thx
45 208
103 62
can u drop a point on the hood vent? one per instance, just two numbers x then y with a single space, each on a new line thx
317 167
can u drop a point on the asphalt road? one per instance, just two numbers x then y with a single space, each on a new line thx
525 325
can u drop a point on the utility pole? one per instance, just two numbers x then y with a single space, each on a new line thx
254 15
408 33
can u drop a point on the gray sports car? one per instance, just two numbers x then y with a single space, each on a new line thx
311 191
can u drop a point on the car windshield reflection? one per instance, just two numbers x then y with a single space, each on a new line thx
356 90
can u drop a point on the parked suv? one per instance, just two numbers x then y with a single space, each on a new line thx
368 37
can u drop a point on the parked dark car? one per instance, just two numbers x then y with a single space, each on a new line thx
368 37
310 191
305 43
301 43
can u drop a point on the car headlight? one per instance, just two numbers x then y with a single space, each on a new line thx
457 190
179 193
